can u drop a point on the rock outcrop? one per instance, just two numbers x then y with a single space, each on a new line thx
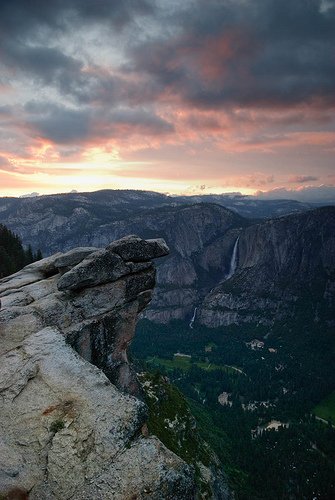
68 429
198 255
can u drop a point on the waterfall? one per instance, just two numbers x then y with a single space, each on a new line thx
233 262
193 317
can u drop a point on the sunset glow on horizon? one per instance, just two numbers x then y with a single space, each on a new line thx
184 98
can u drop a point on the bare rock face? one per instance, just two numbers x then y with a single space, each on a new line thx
279 263
66 429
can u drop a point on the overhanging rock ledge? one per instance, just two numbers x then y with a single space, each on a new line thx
68 429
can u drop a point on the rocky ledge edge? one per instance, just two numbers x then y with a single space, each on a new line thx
69 427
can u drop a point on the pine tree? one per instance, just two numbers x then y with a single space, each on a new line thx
12 254
38 255
29 255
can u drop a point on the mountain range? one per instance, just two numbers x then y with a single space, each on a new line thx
223 268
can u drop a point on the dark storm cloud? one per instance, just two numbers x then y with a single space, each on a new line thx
102 88
48 65
248 53
205 54
58 124
29 30
259 53
19 17
63 125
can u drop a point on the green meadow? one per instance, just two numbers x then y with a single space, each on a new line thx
326 409
184 363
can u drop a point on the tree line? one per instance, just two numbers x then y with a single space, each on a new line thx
13 255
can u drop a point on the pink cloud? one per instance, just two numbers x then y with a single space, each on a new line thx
9 182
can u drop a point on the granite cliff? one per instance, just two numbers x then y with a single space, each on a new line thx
194 234
276 260
280 265
68 428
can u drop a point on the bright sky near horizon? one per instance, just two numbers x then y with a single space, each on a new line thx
185 97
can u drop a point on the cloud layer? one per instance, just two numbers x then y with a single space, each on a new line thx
217 92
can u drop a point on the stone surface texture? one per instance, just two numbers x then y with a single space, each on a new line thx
67 427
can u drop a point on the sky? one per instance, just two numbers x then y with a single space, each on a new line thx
192 96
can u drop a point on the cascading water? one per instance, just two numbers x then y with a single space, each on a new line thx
233 262
193 317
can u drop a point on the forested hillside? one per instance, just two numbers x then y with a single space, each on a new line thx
263 403
13 256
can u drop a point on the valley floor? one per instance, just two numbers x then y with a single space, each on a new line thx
253 399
